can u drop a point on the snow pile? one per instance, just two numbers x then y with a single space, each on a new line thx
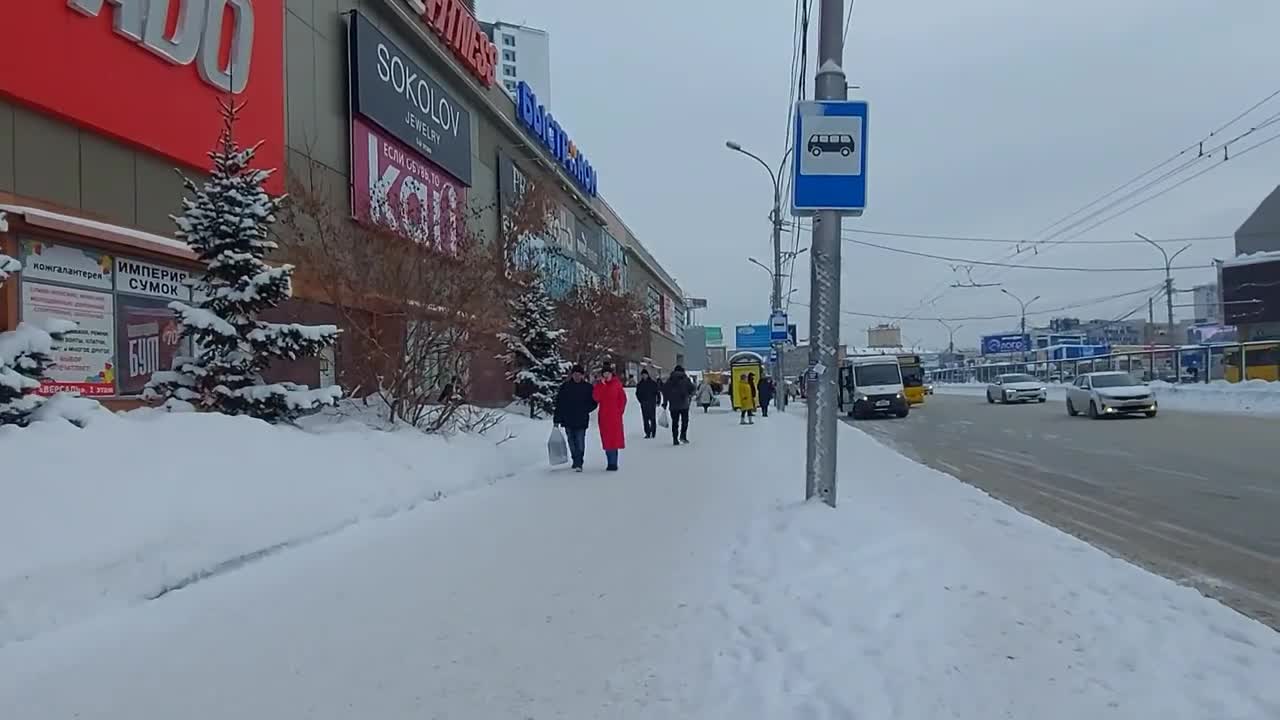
135 505
1219 396
693 584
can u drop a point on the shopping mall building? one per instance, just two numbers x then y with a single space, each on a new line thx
375 98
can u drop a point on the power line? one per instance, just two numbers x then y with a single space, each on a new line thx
990 263
1198 145
1010 241
803 66
1012 316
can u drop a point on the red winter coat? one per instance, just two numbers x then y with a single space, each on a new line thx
612 399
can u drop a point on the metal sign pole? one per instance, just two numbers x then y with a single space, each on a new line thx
824 320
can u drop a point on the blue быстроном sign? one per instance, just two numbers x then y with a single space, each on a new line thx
543 126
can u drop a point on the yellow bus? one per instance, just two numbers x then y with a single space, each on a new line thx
1261 362
912 378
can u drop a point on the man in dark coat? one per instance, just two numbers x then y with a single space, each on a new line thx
766 393
574 403
677 394
648 394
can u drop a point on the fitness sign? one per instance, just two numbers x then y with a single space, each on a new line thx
152 72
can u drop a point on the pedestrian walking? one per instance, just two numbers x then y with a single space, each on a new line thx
747 400
649 395
574 402
677 395
765 391
705 394
612 400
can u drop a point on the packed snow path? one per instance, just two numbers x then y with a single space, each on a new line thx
691 584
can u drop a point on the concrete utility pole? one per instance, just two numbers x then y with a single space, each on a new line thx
775 300
830 83
1168 282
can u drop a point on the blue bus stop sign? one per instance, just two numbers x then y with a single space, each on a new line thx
830 163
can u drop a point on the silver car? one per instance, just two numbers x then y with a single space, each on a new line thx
1015 387
1110 393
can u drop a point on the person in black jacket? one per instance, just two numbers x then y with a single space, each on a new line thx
574 404
678 395
648 394
766 392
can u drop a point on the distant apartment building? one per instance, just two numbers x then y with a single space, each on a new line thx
882 336
1207 304
524 54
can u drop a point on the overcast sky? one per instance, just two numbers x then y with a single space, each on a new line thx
989 118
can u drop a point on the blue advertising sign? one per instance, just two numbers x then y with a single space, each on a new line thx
544 127
830 166
1005 344
751 337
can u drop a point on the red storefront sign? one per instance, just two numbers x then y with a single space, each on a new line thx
150 73
394 186
457 27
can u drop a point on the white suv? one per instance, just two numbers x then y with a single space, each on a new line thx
1110 393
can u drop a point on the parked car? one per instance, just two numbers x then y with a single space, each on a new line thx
1016 387
1110 393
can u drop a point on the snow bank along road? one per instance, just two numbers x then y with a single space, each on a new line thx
690 585
1195 497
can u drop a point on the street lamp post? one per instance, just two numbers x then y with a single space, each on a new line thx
775 304
1168 282
951 339
1022 326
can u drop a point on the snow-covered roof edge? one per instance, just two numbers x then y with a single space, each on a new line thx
1262 256
36 215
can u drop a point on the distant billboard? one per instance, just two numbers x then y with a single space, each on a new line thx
696 303
751 337
1251 289
1005 343
715 336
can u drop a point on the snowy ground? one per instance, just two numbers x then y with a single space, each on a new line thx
1252 397
134 506
690 585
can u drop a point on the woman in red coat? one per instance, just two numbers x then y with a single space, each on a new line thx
612 399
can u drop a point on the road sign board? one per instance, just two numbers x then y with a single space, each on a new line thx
830 165
778 327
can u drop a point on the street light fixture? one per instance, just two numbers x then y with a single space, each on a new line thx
951 332
776 219
1168 280
1023 325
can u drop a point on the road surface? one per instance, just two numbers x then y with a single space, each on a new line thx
1193 496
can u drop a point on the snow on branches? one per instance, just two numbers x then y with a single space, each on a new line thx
226 222
533 348
26 354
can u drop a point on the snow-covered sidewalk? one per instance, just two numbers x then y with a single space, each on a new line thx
693 584
1255 397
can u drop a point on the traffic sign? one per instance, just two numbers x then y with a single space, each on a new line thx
778 327
830 165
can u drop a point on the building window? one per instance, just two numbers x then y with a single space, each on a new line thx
511 87
509 55
509 70
509 40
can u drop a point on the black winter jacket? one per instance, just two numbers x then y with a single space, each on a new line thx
574 403
647 392
678 391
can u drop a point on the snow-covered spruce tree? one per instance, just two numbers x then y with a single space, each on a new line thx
25 356
533 356
226 223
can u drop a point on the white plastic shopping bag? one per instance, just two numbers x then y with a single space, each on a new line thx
664 419
557 448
